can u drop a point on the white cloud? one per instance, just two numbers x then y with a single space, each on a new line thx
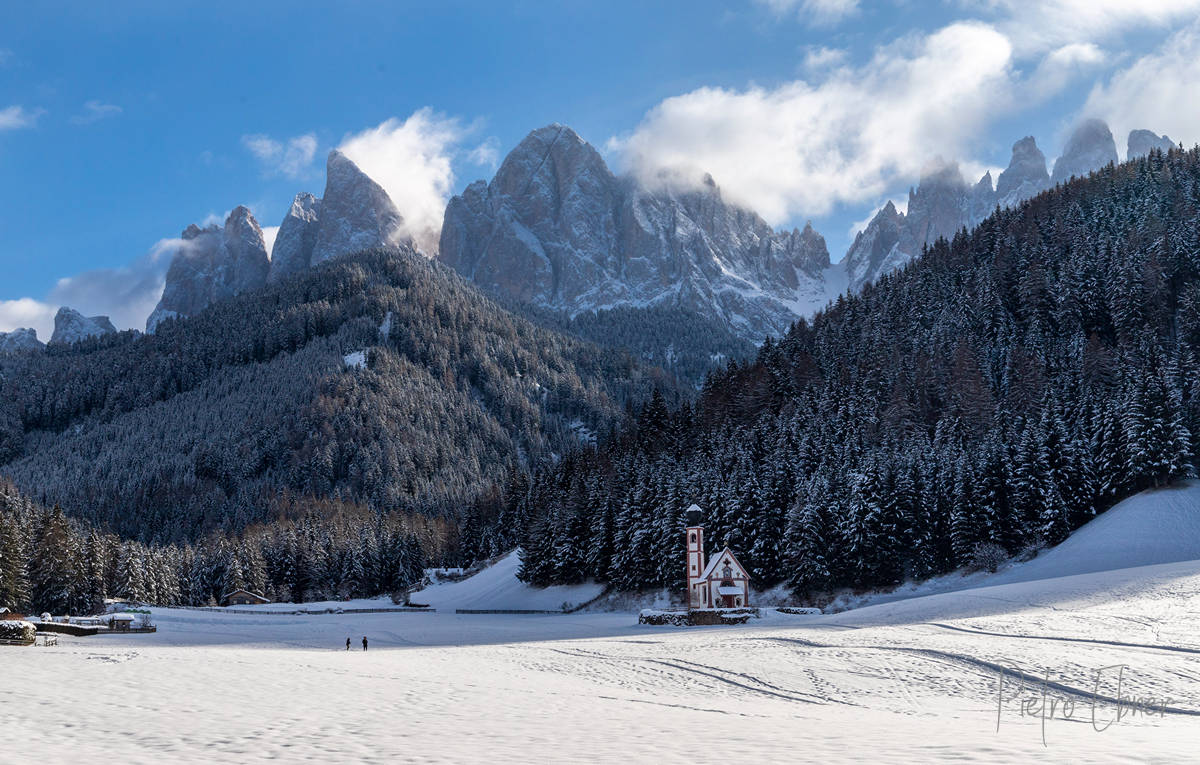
1156 91
1036 27
803 148
815 12
411 160
818 59
5 56
13 117
27 312
126 294
486 154
94 111
269 234
291 159
1062 65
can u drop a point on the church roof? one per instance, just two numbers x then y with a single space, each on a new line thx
715 560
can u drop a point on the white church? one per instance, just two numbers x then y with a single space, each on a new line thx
723 582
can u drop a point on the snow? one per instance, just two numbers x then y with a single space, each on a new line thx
927 679
356 360
497 587
1160 526
1156 526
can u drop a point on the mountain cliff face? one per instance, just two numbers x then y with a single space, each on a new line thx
1090 147
70 326
212 264
297 236
874 250
1025 176
23 339
355 213
940 206
943 203
556 229
1142 142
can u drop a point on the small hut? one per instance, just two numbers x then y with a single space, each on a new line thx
243 598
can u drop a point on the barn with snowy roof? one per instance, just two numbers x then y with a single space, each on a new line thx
722 582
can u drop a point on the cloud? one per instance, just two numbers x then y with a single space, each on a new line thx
14 117
1153 91
804 148
269 234
818 59
486 154
27 312
412 161
1043 26
817 13
1062 65
94 111
126 294
292 158
5 56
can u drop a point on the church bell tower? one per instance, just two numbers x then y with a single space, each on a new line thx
695 558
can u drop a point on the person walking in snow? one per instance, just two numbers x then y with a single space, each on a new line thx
364 642
347 644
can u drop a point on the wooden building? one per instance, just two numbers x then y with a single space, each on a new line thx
243 598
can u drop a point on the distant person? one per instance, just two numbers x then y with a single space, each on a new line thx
364 642
347 644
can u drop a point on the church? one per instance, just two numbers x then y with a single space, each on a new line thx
722 582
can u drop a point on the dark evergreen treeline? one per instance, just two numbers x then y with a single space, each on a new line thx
679 341
1001 390
49 562
206 423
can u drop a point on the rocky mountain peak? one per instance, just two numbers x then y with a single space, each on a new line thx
20 340
297 237
70 326
1090 147
874 250
1142 142
1025 175
211 264
355 212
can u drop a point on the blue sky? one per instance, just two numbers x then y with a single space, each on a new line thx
120 123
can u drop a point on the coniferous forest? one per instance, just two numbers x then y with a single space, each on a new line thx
50 562
995 394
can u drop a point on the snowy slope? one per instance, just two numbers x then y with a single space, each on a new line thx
497 587
1154 527
1161 526
912 681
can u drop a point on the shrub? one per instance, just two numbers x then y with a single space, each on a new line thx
19 631
987 556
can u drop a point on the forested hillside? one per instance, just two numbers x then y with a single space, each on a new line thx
381 378
681 342
329 549
1000 390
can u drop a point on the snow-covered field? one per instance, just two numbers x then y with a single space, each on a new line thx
915 680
